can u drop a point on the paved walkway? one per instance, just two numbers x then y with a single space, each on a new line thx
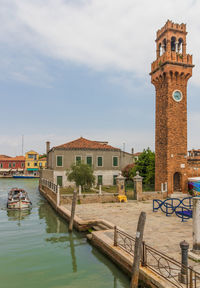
161 232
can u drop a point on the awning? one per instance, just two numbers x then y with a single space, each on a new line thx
194 179
4 170
32 169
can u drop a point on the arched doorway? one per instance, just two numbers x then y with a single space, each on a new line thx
177 182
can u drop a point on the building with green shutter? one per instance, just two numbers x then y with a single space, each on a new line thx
105 160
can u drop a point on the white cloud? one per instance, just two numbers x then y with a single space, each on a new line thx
105 34
193 130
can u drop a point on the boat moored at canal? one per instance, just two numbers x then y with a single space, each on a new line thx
18 199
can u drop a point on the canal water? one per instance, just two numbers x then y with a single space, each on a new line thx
36 249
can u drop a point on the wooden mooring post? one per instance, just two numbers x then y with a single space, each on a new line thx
137 250
73 211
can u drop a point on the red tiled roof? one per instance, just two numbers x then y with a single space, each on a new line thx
43 159
17 158
4 156
82 143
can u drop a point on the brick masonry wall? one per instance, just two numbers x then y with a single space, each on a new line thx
171 72
171 131
153 195
89 198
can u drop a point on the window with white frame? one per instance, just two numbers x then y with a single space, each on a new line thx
115 161
99 161
59 161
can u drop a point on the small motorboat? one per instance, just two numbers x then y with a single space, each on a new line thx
18 199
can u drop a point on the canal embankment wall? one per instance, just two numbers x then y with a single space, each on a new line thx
99 239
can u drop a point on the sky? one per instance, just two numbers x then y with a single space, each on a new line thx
72 68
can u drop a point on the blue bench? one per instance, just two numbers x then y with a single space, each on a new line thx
181 207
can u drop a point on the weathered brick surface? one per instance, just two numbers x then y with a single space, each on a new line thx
170 72
89 198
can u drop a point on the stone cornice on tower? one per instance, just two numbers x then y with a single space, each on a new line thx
171 26
171 52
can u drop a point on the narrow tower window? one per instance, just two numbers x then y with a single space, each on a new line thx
180 45
173 44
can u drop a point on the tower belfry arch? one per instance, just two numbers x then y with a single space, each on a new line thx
170 73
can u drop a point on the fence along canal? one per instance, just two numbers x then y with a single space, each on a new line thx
161 264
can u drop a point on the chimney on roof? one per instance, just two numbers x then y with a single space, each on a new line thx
132 150
47 147
47 151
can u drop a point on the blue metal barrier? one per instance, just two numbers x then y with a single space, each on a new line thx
181 207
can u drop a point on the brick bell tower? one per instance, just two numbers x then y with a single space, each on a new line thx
169 74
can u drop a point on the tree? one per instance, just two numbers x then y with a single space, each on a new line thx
81 174
42 156
126 171
146 166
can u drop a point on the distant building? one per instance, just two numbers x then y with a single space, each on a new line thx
31 162
136 156
42 162
11 165
193 163
106 161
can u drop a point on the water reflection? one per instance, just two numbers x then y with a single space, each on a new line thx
59 226
112 269
16 215
42 250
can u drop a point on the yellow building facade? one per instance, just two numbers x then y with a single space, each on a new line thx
31 162
34 162
42 162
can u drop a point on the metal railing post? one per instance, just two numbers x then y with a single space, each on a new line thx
191 280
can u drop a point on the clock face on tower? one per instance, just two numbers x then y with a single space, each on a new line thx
177 95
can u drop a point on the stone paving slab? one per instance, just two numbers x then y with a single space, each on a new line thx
161 232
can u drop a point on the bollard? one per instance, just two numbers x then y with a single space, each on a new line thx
183 277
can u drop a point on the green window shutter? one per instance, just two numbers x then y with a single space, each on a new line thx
114 179
115 161
59 160
89 160
100 161
59 181
100 180
78 160
13 164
